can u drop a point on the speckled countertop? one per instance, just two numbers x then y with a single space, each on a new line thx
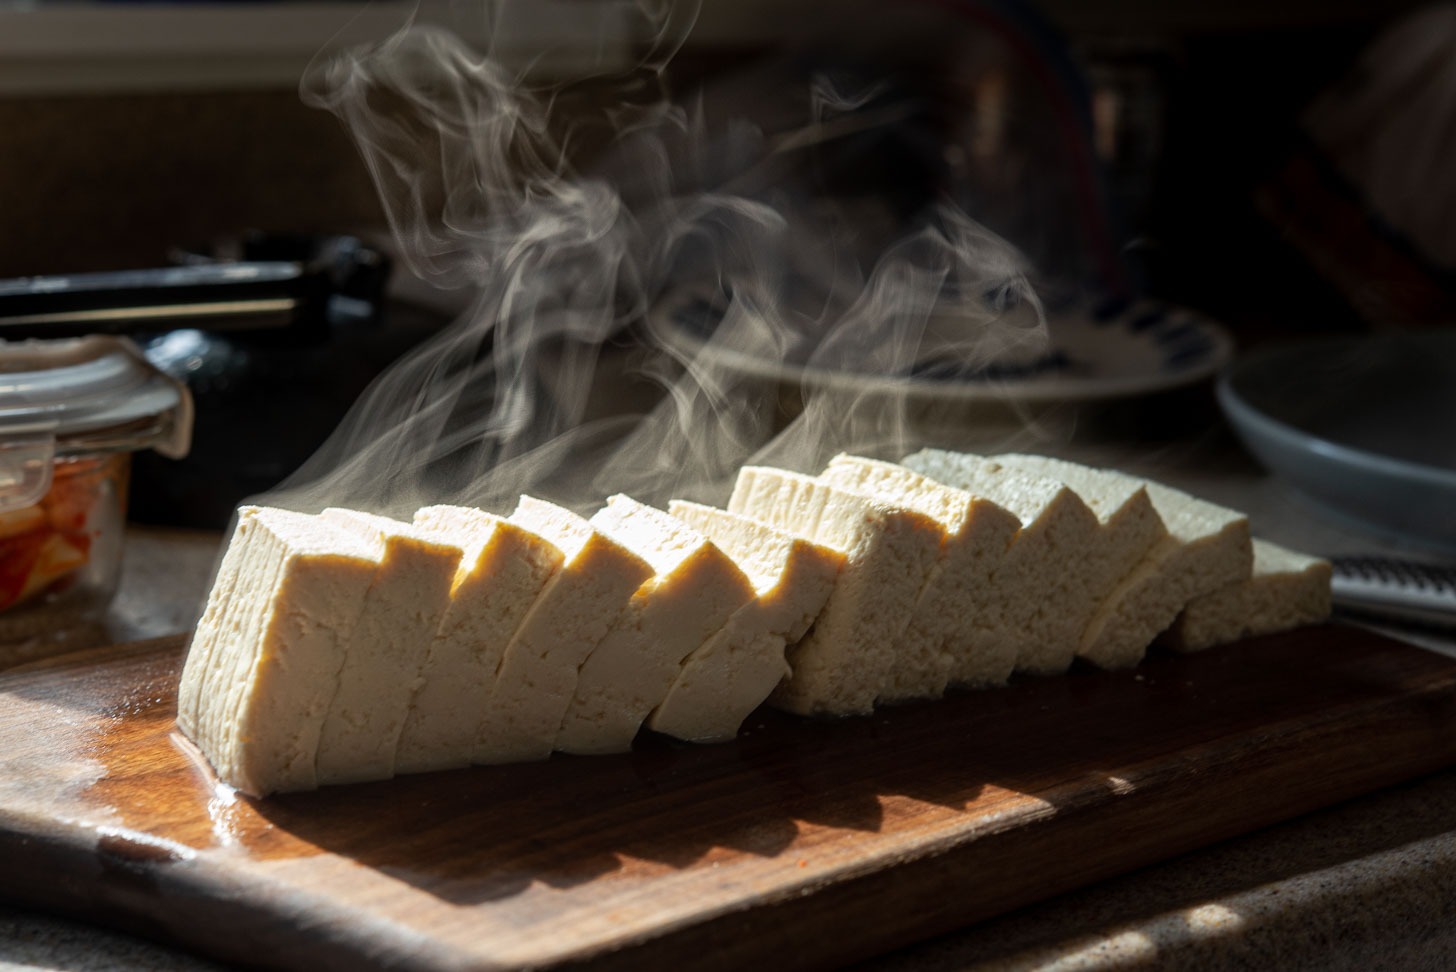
1369 884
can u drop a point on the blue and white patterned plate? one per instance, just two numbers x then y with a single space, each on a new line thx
1096 350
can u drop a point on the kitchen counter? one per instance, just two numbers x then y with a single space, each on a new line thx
1362 885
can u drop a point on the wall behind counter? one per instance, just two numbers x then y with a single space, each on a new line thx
105 181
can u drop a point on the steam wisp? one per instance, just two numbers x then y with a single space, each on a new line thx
572 254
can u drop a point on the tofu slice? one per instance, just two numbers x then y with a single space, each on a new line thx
1066 558
1206 547
211 638
386 652
579 604
503 570
957 631
845 660
736 668
694 590
273 642
1285 590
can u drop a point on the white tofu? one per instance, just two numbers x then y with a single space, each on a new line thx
845 660
387 649
1066 558
737 667
1205 547
694 590
274 640
212 636
1286 590
502 572
224 646
957 631
576 608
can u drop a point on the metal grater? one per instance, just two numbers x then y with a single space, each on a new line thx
1395 589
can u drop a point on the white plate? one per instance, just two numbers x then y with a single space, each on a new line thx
1098 350
1365 426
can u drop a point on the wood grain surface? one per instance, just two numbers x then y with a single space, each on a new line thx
801 844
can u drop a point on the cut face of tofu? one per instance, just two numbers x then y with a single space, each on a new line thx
1065 559
502 572
288 598
1286 590
1206 547
576 608
387 650
694 590
957 628
212 638
223 649
846 659
736 668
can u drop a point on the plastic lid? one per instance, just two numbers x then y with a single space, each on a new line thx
91 394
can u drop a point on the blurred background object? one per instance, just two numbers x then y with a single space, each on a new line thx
1126 148
1361 424
267 397
108 160
1368 193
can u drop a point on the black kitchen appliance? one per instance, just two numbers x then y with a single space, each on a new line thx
275 335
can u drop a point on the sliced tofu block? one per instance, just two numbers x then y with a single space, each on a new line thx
576 608
694 590
502 572
402 610
274 640
1286 590
957 630
1206 547
736 668
1066 558
844 661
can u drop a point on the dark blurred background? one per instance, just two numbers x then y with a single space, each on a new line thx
109 160
1169 142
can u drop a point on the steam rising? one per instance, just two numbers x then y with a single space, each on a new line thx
592 220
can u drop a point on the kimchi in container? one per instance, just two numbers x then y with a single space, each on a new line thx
71 414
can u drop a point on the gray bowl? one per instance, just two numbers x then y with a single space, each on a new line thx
1364 425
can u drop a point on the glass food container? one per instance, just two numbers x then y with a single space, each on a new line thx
71 414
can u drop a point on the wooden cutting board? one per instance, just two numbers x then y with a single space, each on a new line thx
801 844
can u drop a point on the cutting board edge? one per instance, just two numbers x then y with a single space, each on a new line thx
119 893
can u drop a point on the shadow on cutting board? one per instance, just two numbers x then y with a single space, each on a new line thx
787 787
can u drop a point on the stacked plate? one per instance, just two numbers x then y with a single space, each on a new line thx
1366 426
1094 349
